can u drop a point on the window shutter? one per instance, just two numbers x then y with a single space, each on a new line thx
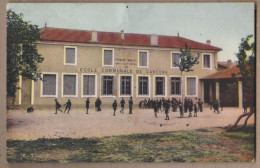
142 58
175 59
206 61
191 86
49 84
88 85
108 56
70 55
69 85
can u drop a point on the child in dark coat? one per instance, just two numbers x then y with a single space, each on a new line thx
114 105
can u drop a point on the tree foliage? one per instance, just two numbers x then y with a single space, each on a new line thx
187 60
22 53
246 65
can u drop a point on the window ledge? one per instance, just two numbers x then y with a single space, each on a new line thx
70 64
70 96
175 95
54 96
143 96
87 96
108 96
160 96
109 66
143 67
207 68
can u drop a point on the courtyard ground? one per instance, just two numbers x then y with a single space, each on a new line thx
43 136
78 124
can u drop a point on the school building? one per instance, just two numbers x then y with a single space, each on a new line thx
89 64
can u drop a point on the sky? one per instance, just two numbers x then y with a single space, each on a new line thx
224 24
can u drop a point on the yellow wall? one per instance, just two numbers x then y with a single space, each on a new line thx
90 56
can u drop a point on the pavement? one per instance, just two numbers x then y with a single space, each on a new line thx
78 124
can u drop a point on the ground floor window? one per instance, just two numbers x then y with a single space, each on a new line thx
69 85
125 85
159 85
191 86
143 85
89 86
107 88
49 85
175 85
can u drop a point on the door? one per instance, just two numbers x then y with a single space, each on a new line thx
206 91
26 92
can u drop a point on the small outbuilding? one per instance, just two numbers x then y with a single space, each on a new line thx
225 86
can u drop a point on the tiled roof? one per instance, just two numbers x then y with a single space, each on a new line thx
225 74
224 64
80 36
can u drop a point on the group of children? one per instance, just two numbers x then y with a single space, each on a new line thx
98 103
165 105
67 106
157 105
122 103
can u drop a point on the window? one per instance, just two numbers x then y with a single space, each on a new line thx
108 55
159 85
107 85
70 55
206 61
89 86
191 86
69 85
143 85
143 58
125 85
175 86
175 59
49 83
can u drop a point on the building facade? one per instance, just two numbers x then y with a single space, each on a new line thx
89 64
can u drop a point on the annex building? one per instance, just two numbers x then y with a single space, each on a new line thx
89 64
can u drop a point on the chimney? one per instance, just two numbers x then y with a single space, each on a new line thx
94 36
154 40
229 63
208 42
122 34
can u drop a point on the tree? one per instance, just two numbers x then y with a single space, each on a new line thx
22 53
187 61
246 66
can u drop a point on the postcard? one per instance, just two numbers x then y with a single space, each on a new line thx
130 82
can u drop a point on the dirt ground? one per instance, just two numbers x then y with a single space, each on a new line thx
78 124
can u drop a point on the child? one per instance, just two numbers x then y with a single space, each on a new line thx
181 109
114 105
167 106
67 106
195 110
87 105
58 106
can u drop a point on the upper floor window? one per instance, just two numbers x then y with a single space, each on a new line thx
207 61
70 55
175 59
108 57
143 59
